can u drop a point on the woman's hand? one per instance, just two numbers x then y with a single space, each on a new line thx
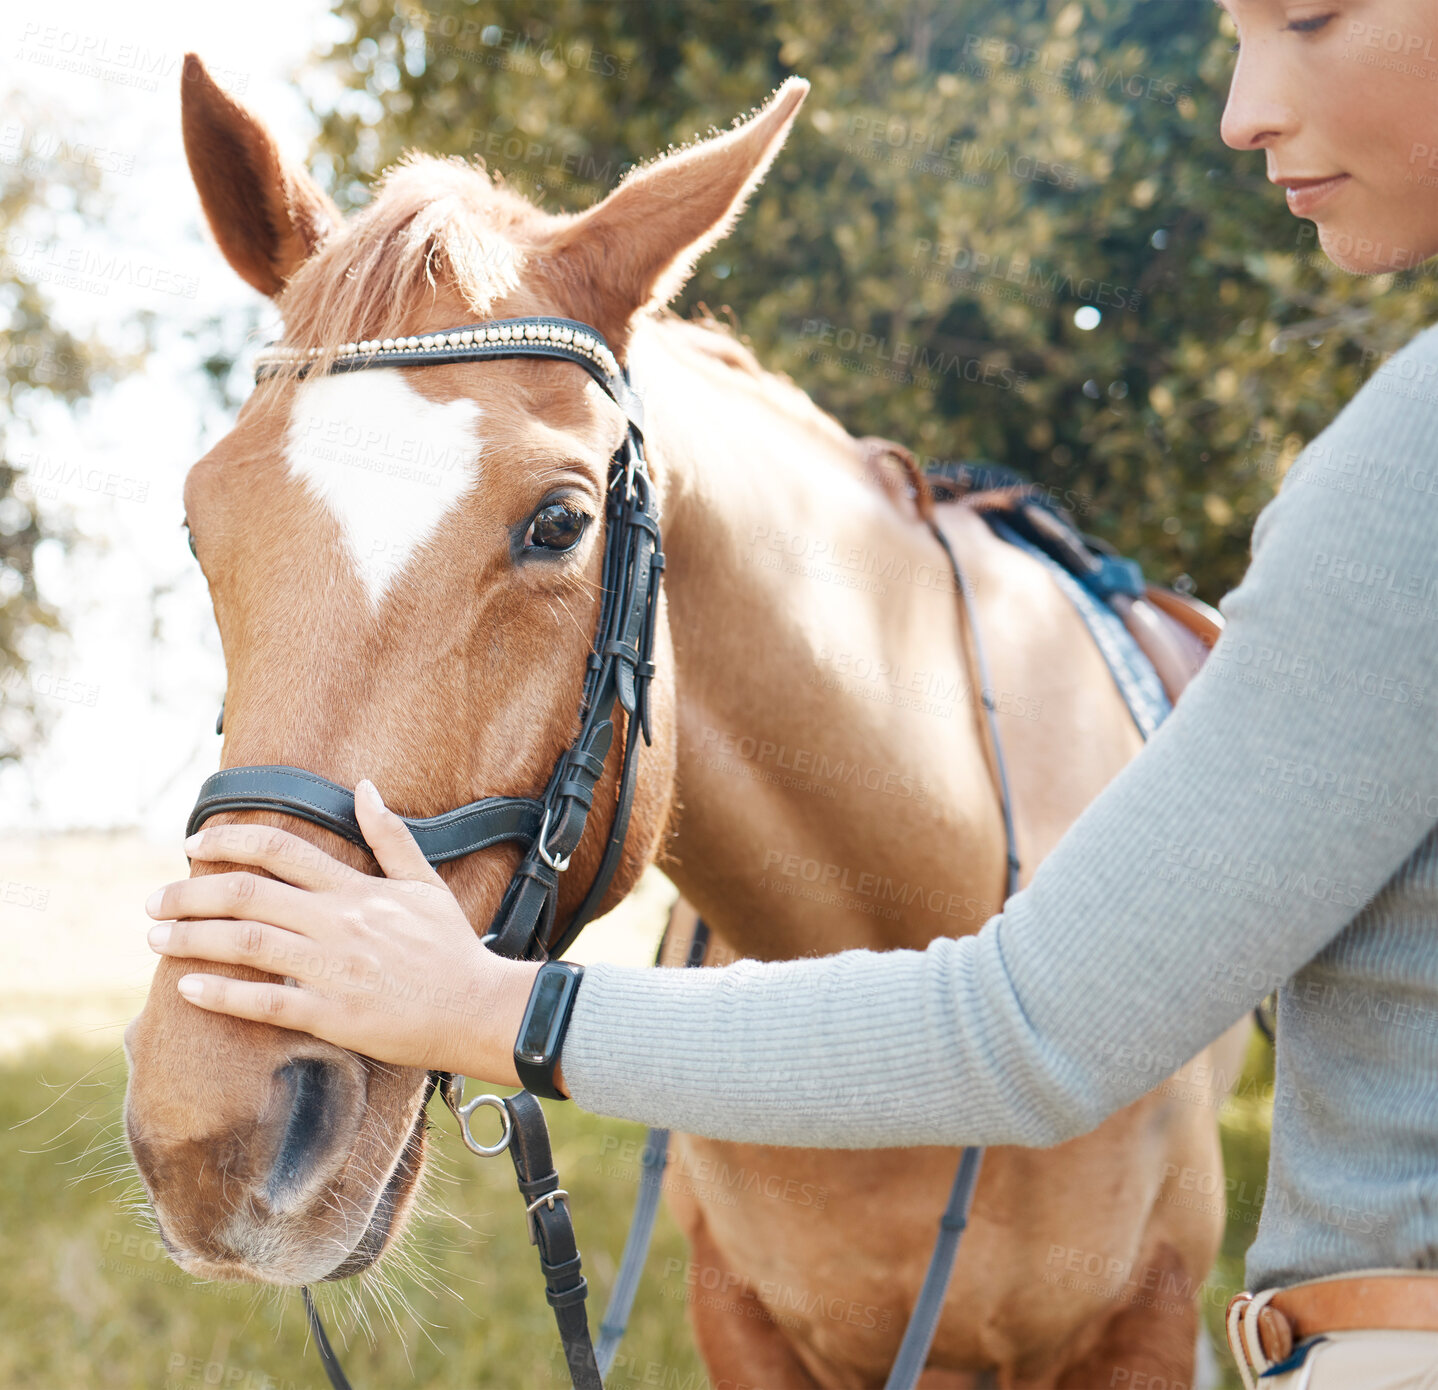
387 967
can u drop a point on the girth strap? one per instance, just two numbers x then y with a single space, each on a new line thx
450 835
919 1334
654 1158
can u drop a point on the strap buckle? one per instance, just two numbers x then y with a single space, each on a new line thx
1243 1324
548 1199
631 460
558 865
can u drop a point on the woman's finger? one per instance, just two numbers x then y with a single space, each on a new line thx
288 857
231 942
394 847
237 894
283 1005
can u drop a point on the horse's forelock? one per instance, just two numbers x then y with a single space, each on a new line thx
433 223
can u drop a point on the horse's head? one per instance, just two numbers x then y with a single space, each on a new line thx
405 570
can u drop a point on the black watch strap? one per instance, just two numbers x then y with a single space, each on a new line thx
541 1032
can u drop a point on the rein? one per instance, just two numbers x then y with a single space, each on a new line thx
619 670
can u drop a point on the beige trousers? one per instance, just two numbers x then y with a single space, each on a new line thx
1364 1361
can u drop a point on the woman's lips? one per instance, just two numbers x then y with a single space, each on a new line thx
1306 196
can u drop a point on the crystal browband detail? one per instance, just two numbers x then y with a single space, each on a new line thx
372 351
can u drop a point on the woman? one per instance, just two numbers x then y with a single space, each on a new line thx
1275 832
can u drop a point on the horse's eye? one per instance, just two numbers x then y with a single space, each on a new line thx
190 537
555 527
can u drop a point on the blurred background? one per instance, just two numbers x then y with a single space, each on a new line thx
1001 229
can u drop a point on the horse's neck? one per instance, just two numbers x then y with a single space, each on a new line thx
833 788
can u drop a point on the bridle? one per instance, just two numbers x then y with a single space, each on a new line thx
619 670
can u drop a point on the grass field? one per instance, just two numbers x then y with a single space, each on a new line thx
89 1299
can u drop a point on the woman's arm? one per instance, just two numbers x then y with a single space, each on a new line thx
1238 843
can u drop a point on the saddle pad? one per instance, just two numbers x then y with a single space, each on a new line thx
1133 673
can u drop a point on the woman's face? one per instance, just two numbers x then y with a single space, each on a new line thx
1342 95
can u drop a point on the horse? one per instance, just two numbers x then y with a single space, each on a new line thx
817 777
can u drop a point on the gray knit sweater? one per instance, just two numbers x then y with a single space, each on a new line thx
1277 831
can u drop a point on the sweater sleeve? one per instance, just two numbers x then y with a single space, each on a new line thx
1239 842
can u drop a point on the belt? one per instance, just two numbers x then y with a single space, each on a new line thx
1263 1328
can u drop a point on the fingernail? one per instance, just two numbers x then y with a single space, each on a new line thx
370 792
159 935
193 842
190 986
152 903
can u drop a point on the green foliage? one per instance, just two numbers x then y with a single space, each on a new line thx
963 179
42 362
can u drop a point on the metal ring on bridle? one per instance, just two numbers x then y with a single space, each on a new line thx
470 1142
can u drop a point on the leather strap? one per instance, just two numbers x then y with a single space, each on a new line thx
1205 623
654 1159
919 1334
620 671
450 835
334 1372
928 1307
518 338
552 1231
1397 1302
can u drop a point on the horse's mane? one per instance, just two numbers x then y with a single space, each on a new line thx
718 341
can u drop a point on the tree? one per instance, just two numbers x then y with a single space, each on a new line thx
42 179
1002 229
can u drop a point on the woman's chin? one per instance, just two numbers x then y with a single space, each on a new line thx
1369 252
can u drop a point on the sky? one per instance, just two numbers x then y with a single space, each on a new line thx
133 691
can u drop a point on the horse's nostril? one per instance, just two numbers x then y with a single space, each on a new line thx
313 1120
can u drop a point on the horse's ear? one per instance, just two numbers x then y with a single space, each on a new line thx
636 248
267 216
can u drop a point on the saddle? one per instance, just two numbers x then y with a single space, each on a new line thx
1174 631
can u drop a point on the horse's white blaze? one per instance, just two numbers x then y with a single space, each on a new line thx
388 463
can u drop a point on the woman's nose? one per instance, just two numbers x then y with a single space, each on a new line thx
1257 115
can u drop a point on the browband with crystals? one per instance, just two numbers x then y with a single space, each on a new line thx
454 345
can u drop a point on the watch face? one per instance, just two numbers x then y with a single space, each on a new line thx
534 1042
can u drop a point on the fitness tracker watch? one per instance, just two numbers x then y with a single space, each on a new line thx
541 1031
